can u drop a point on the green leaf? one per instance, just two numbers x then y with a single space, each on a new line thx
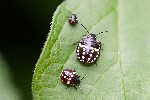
123 68
8 91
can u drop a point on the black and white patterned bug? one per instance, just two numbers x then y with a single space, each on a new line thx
73 19
70 78
88 49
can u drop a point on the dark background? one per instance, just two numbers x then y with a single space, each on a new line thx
24 25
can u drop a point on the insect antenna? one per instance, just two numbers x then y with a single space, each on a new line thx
73 13
101 32
70 12
85 28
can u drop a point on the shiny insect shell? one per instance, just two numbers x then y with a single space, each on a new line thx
88 49
73 19
70 78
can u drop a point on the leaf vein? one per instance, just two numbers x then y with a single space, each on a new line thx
119 51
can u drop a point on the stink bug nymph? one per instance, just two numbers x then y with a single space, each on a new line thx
88 49
73 19
70 78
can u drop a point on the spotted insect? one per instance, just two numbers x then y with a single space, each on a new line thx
88 49
70 78
73 19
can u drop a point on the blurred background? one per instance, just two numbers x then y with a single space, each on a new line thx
23 31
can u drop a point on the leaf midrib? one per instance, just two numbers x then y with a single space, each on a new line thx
119 49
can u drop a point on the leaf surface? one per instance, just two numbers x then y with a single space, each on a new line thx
123 68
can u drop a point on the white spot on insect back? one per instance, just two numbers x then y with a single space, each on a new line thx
94 58
80 44
69 79
90 55
83 49
89 59
97 50
68 82
77 50
91 48
83 53
81 60
71 75
65 77
83 57
96 55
